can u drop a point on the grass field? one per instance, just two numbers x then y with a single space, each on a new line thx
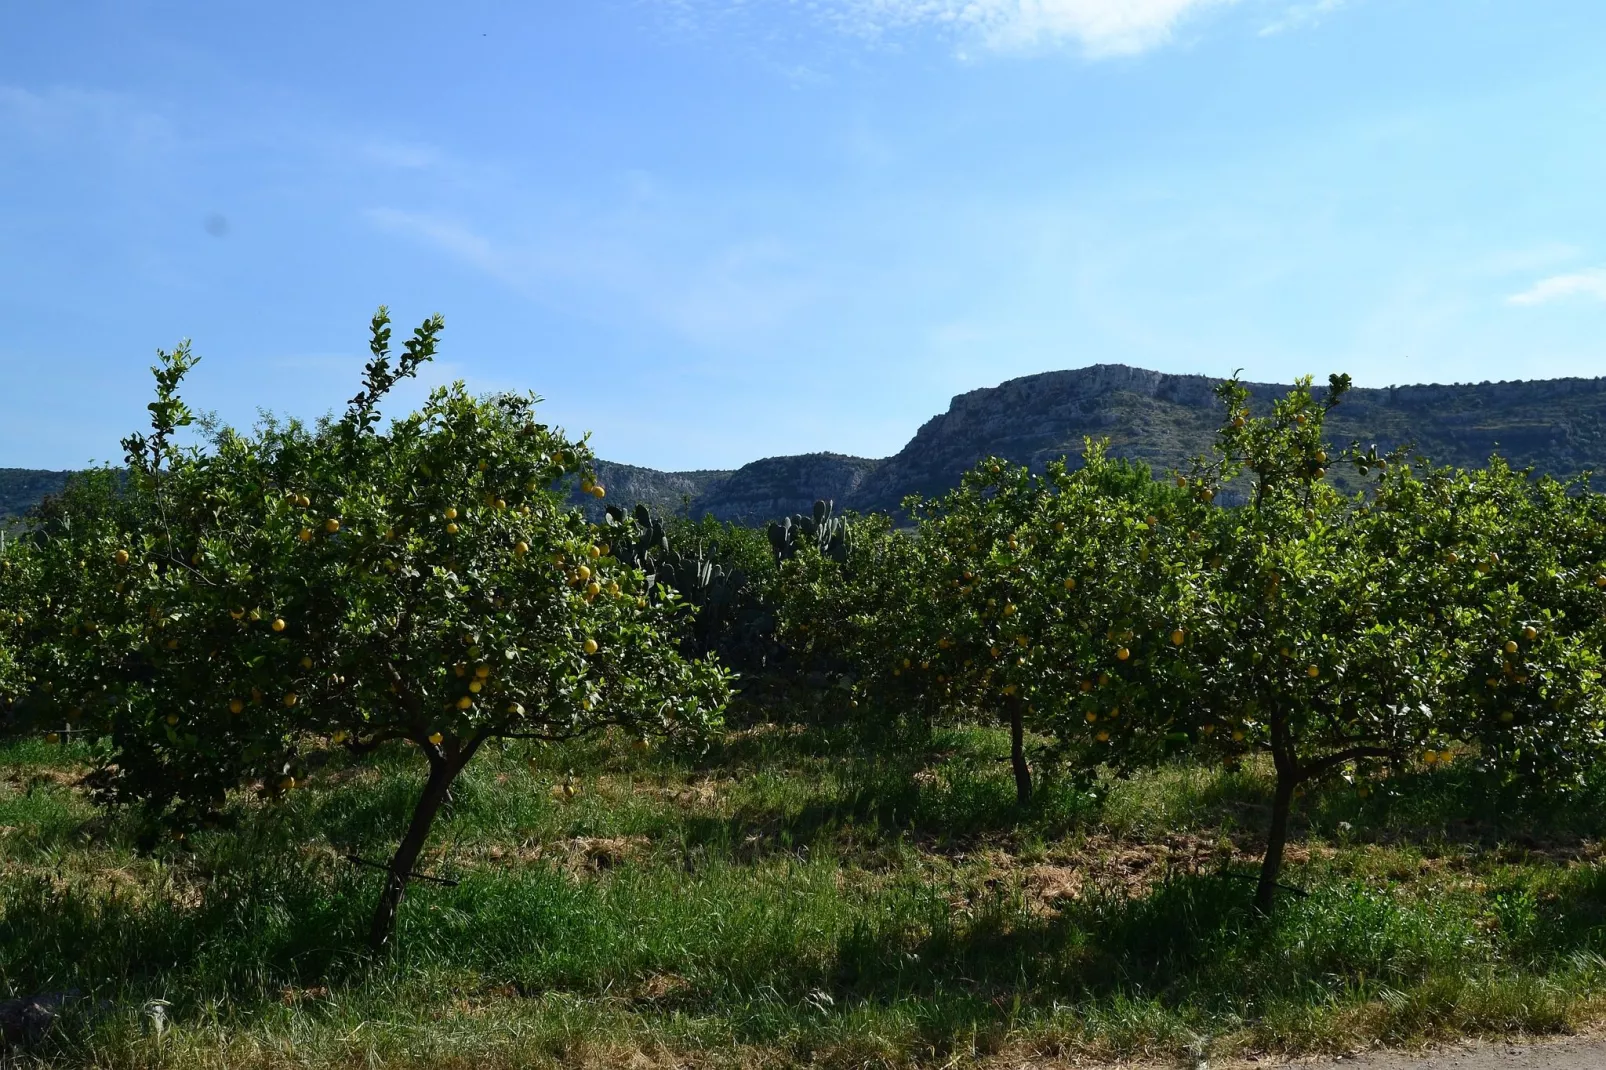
789 898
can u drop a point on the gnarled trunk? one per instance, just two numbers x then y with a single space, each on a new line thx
1289 774
442 771
1017 749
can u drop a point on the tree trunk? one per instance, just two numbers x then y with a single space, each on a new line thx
1271 866
1017 750
441 774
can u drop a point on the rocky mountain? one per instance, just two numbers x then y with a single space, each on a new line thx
754 493
1556 426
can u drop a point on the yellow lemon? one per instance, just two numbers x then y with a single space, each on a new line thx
121 557
291 699
452 529
465 703
1177 637
521 548
1122 654
278 624
451 512
435 738
1313 672
306 535
331 525
475 686
235 705
589 646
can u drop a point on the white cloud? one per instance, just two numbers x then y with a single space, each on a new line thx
1591 284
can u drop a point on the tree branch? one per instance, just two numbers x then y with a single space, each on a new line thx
1333 761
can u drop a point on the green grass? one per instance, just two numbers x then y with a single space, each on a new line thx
791 898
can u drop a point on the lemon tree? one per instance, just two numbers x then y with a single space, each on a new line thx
1307 646
342 586
1014 597
1508 579
1341 637
1127 574
841 621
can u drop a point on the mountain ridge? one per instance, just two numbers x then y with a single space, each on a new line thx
1557 426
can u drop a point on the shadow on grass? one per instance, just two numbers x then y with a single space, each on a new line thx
259 919
1464 806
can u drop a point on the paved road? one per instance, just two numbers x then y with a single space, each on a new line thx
1571 1054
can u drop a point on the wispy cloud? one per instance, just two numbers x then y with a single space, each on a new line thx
1098 28
450 237
71 115
716 294
1298 16
1588 284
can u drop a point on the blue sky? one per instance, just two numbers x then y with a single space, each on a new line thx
714 230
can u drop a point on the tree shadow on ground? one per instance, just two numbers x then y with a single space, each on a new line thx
1194 941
